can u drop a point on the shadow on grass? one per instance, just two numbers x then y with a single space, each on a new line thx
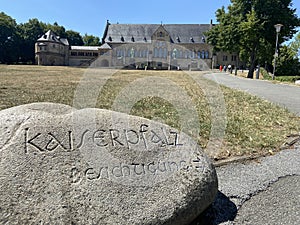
220 211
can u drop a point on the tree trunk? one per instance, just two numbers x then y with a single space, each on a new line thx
252 64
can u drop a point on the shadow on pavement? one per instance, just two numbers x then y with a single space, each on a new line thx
220 211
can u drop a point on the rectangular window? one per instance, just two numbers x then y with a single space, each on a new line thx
95 54
73 53
233 58
225 58
80 53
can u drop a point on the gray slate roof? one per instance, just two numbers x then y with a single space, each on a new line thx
50 36
142 32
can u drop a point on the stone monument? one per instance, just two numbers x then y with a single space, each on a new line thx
60 165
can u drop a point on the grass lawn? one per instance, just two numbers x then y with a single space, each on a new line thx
254 126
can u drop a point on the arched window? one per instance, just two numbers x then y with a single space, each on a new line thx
174 54
132 53
180 55
192 53
203 54
186 55
207 54
165 53
155 52
199 55
160 53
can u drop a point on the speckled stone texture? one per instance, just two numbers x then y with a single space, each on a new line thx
60 165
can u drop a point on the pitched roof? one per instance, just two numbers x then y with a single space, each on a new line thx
105 46
179 33
50 36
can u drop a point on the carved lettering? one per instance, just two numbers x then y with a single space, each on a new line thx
173 166
30 141
143 129
75 175
115 135
99 138
139 171
152 169
123 170
58 140
197 164
82 139
54 143
132 137
44 142
157 139
176 138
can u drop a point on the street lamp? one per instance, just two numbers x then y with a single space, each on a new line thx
278 28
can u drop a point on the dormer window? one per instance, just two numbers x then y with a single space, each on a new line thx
145 39
203 39
122 39
178 39
132 39
109 38
192 39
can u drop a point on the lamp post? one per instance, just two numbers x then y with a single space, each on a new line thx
278 28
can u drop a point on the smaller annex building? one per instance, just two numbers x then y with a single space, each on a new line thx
154 46
51 50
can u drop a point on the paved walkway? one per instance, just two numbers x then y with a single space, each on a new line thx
264 191
285 95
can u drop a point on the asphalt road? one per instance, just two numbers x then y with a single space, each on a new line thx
262 191
287 96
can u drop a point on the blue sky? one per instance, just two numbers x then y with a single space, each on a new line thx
90 16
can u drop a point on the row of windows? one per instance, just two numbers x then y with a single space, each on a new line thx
233 58
132 53
162 53
84 54
180 54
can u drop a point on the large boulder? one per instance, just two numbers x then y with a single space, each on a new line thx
60 165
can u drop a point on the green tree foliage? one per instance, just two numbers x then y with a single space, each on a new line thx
17 41
29 33
74 38
247 27
295 45
9 39
91 40
287 63
57 29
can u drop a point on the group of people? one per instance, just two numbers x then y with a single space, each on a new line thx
225 68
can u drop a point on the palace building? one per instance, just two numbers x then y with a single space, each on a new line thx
154 46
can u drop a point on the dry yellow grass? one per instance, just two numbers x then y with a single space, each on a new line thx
254 126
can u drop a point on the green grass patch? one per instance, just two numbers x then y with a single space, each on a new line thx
254 126
283 79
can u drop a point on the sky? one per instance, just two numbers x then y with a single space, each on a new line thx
90 16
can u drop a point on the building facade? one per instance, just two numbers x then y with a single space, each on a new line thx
153 46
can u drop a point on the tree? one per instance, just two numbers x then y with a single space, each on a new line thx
287 62
247 27
90 40
57 29
295 45
74 38
30 32
9 39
